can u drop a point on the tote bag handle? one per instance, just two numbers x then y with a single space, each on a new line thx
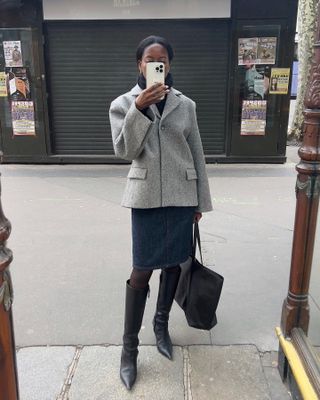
196 240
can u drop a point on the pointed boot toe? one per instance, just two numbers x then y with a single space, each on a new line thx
165 350
128 378
163 340
128 368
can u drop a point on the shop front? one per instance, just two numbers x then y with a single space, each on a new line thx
77 57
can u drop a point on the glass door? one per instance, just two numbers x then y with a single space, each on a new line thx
261 89
314 296
21 93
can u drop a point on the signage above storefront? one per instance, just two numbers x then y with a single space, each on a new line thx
135 9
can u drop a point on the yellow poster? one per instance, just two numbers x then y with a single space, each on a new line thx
3 85
279 81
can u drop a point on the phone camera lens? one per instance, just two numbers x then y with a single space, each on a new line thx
157 68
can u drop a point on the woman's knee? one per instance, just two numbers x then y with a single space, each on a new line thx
139 279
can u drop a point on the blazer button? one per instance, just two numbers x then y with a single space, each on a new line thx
163 128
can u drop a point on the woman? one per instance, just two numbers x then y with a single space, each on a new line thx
167 189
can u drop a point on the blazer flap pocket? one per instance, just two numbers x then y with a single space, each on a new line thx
137 173
191 174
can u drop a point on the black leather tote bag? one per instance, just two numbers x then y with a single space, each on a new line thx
199 289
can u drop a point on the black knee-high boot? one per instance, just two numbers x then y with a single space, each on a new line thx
167 289
134 310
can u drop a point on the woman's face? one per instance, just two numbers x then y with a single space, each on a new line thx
152 53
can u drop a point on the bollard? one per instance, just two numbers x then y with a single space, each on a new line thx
9 389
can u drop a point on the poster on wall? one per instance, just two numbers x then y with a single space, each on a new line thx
247 51
257 50
19 86
279 81
266 53
3 85
23 118
256 82
253 118
12 53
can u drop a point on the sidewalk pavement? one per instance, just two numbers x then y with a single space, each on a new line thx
71 245
200 372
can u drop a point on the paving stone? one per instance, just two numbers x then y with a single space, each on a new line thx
227 373
97 375
277 389
269 359
42 371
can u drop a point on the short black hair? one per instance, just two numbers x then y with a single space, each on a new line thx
148 41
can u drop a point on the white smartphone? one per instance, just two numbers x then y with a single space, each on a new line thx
155 73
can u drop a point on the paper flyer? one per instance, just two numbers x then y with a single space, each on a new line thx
257 50
12 53
3 85
23 118
19 86
247 51
279 81
253 119
266 53
256 82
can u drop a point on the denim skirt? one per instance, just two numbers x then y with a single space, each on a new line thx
161 237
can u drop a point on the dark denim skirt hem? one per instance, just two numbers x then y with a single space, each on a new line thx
160 266
161 237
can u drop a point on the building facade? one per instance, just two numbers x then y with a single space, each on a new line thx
76 57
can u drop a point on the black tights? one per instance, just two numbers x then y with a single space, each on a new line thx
140 279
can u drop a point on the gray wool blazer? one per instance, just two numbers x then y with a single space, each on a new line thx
168 165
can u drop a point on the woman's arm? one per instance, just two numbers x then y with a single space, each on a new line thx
129 130
195 144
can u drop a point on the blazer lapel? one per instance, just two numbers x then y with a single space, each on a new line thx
173 100
154 108
136 90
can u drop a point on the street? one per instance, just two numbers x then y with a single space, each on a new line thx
72 250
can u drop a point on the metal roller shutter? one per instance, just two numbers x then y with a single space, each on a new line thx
89 63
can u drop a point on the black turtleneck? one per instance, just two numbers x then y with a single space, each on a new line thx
143 84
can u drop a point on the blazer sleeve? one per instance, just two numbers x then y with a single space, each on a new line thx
129 130
195 144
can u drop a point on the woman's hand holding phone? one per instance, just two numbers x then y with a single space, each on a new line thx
152 95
